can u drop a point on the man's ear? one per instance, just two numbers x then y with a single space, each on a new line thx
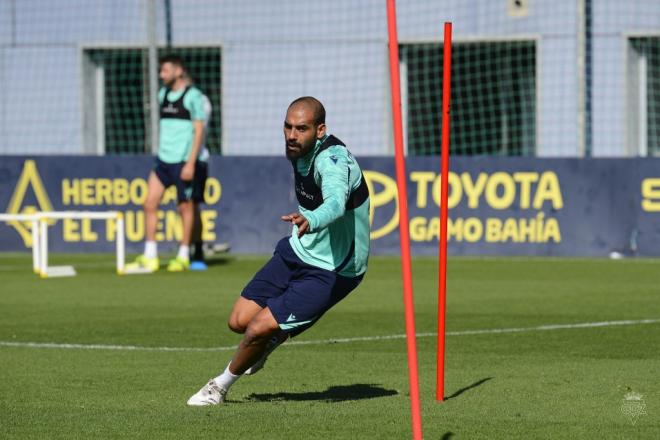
320 130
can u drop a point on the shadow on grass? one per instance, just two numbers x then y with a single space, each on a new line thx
447 435
339 393
469 387
215 261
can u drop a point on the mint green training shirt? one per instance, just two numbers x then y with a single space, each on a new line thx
333 229
176 135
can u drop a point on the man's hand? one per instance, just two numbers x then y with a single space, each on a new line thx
188 172
297 219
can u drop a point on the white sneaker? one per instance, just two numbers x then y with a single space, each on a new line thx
272 345
210 394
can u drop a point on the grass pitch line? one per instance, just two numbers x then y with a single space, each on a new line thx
107 347
553 327
549 327
486 331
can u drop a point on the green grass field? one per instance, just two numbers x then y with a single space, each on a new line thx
555 383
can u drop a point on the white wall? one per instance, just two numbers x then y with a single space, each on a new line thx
42 105
275 51
613 23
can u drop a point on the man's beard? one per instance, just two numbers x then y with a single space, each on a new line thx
292 150
296 150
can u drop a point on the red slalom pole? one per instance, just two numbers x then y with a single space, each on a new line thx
444 191
404 227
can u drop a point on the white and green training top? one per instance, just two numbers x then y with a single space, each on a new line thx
337 239
176 134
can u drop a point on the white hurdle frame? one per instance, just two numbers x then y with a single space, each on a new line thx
39 222
34 219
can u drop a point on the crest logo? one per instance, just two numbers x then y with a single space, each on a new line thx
633 406
29 179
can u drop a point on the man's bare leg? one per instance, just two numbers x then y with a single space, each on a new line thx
186 211
155 190
259 328
182 260
243 312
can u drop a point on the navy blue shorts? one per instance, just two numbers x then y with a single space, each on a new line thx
170 174
296 293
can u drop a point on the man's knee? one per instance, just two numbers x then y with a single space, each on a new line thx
239 319
151 204
260 329
242 313
236 325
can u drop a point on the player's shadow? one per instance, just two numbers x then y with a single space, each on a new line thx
339 393
219 261
469 387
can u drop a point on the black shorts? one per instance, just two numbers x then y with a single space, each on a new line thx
170 174
296 293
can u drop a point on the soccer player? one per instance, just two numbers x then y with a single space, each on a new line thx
181 134
323 260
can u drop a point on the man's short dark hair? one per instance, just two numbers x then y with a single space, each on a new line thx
173 59
315 104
